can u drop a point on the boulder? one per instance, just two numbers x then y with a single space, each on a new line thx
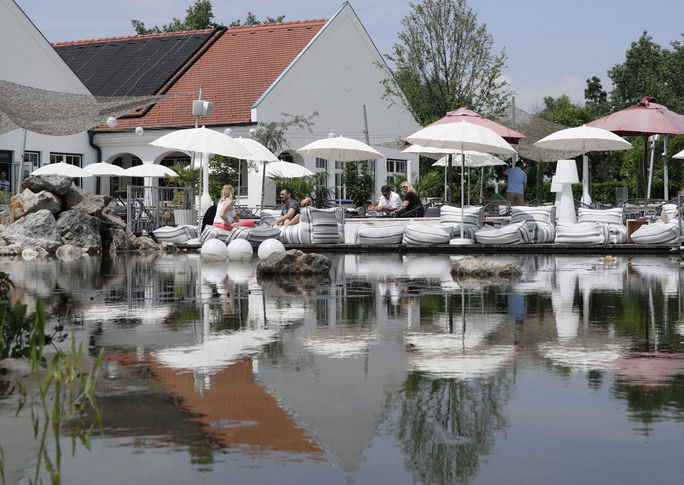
79 199
28 201
293 263
146 243
11 250
109 219
38 229
114 240
470 267
80 229
70 252
56 184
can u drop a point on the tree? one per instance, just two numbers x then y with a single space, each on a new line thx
595 98
444 61
198 16
252 20
642 74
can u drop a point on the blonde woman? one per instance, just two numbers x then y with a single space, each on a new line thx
411 206
225 212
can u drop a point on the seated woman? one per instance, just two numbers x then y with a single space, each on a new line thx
225 212
411 207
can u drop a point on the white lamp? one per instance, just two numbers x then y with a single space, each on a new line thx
566 175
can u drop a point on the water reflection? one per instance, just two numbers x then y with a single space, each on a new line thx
390 357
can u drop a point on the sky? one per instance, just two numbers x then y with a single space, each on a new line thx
553 46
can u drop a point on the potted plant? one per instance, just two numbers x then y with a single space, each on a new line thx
188 180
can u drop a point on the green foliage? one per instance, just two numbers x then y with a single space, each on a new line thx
15 327
359 182
303 187
430 184
188 177
223 170
562 111
444 61
252 20
197 17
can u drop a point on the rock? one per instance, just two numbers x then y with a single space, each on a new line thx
38 229
56 184
80 229
29 201
470 267
293 263
79 199
114 240
70 252
110 219
146 243
168 247
11 250
34 253
5 217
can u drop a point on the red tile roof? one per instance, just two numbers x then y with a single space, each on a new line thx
233 73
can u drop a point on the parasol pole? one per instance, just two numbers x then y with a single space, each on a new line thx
650 169
666 191
462 185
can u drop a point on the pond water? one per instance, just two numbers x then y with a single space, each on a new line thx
392 372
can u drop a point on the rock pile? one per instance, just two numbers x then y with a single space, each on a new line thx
52 213
475 268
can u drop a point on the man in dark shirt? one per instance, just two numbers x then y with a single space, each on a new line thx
411 207
290 209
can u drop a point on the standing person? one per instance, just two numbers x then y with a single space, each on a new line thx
225 212
4 183
517 183
289 211
389 200
411 207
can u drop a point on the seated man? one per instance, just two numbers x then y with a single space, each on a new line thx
389 201
290 211
491 195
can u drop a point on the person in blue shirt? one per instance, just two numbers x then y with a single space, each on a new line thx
4 183
517 183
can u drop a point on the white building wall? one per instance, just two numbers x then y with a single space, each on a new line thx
28 58
336 75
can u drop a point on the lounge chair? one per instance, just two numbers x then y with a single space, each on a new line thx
316 226
509 234
175 234
473 219
372 235
421 234
611 218
658 233
540 222
581 233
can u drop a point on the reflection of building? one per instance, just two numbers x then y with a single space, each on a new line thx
236 412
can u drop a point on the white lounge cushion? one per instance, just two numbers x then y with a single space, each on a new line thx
297 234
669 210
212 232
539 222
269 215
581 233
328 224
176 235
257 235
606 216
473 217
617 231
371 235
421 234
508 234
656 233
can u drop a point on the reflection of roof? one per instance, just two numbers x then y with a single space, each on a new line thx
238 411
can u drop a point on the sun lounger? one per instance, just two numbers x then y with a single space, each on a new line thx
658 233
473 219
316 226
539 221
420 234
175 234
212 232
509 234
581 233
371 235
611 218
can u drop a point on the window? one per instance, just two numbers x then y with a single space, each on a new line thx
396 166
323 182
66 158
339 165
32 159
322 163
